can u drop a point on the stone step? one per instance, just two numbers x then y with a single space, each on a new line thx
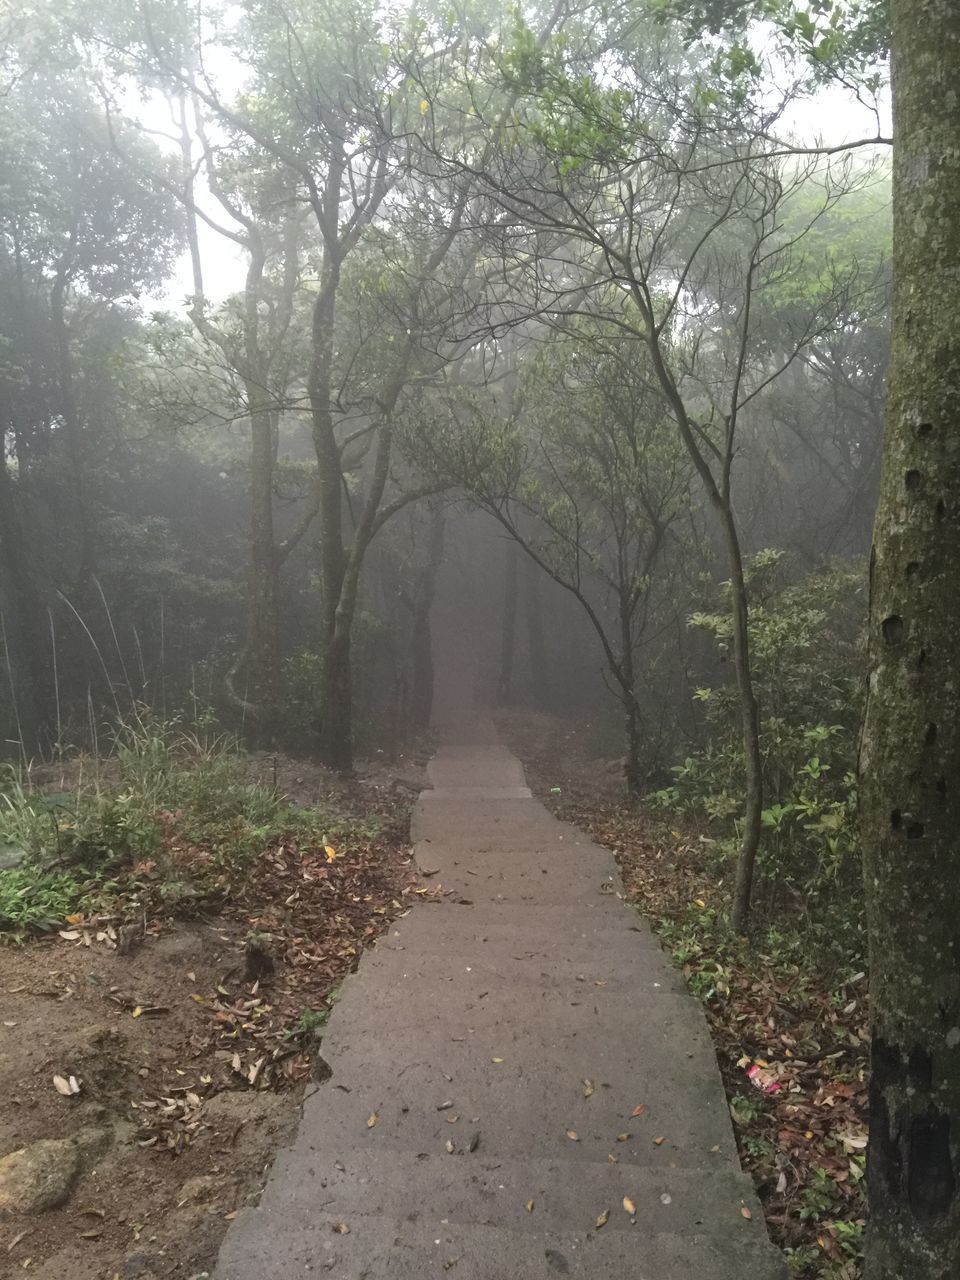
272 1245
518 1108
477 1190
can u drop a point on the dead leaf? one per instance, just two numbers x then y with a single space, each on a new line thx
450 1147
658 1142
573 1135
638 1110
372 1119
628 1204
624 1137
16 1239
66 1087
529 1206
588 1089
745 1212
603 1219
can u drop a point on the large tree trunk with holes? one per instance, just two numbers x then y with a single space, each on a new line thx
910 752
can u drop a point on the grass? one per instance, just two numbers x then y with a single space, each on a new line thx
169 817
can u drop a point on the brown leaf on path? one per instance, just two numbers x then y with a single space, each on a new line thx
603 1219
745 1212
638 1110
529 1206
573 1135
372 1119
628 1204
588 1089
658 1142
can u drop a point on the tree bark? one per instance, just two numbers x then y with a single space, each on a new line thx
910 747
749 726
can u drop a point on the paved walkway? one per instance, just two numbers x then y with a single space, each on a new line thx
489 1058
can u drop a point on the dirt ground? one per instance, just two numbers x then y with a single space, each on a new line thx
190 1057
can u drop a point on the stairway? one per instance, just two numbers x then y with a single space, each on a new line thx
488 1058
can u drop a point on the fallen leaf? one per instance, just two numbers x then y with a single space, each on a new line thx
745 1212
66 1087
137 1012
587 1088
450 1147
624 1137
573 1135
638 1111
331 853
496 1059
372 1119
603 1218
529 1206
628 1204
658 1142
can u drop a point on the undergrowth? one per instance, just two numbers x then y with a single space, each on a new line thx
170 816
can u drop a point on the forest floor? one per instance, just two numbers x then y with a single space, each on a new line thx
800 1118
159 1060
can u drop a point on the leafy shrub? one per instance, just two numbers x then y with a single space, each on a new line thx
806 642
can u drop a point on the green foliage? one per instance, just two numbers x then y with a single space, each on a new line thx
171 814
807 652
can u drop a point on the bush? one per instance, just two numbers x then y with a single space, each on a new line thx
806 642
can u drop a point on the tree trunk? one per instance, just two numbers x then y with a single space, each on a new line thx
750 726
421 642
336 726
536 649
508 631
263 653
910 748
26 633
627 678
72 428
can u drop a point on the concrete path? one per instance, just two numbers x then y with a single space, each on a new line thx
488 1059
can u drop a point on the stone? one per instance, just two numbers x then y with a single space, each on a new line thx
42 1175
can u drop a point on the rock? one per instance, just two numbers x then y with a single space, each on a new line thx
41 1175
